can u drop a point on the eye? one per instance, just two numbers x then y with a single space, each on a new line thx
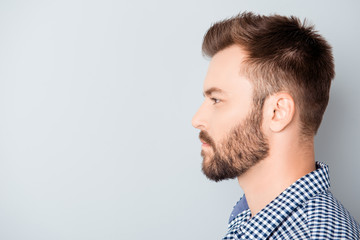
215 100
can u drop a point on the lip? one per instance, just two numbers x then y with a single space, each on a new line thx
204 144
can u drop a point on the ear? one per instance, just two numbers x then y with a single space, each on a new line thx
282 107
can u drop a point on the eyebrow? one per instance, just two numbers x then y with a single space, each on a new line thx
213 90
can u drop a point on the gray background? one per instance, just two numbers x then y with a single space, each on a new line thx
96 101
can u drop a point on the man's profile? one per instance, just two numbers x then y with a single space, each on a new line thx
266 90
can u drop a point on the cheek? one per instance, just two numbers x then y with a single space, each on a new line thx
226 119
223 128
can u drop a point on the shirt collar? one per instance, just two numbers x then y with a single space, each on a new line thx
263 223
240 206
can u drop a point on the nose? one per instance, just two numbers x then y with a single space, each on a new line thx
198 121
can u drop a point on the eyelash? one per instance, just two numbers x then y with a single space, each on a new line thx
215 100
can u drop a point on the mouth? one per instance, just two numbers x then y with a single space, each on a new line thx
204 144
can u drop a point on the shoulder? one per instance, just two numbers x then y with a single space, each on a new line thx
327 218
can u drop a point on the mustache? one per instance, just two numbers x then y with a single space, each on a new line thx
206 138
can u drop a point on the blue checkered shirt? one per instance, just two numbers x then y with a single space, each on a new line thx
305 210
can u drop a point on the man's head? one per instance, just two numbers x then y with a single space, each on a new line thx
253 59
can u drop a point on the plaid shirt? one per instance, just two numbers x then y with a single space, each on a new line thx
305 210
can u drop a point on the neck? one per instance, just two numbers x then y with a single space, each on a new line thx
271 176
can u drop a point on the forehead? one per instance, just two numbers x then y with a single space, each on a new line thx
224 71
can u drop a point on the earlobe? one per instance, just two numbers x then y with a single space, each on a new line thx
283 111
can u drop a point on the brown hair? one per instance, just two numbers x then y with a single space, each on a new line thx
284 54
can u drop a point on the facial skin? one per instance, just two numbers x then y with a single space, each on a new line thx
229 122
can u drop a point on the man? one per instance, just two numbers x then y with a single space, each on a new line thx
266 90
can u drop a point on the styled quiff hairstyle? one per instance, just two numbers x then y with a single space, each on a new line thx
283 54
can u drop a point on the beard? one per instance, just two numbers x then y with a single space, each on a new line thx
242 148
